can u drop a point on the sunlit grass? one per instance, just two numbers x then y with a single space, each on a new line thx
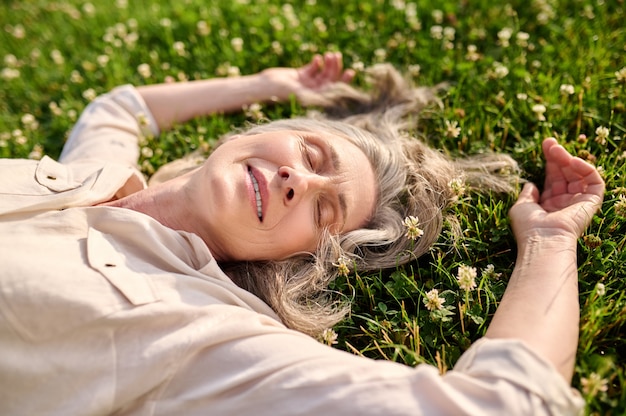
517 73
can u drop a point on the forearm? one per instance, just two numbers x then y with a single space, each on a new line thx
179 102
540 305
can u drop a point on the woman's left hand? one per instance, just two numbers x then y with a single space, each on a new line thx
306 82
572 193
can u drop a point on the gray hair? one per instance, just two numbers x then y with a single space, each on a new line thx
413 179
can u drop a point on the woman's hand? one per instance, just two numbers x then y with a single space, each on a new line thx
308 81
573 192
540 304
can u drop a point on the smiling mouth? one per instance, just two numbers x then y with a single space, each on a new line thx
257 195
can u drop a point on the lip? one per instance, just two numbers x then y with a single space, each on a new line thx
263 190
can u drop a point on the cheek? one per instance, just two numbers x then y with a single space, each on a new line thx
296 233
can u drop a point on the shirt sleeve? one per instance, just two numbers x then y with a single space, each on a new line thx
288 373
109 129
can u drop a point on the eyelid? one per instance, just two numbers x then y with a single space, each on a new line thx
311 154
306 153
314 156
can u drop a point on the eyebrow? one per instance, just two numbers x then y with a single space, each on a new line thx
334 157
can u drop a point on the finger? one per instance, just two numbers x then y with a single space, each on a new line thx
590 181
529 194
315 65
585 169
572 169
348 75
339 64
547 144
559 174
332 67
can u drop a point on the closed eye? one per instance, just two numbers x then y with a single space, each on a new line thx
322 159
324 213
311 155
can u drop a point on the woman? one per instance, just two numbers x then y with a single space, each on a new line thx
138 317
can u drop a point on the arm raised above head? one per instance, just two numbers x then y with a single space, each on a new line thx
540 305
178 102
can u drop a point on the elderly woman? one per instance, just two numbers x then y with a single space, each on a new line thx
192 296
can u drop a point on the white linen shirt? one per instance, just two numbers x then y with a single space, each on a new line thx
105 311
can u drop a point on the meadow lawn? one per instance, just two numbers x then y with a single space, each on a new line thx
518 72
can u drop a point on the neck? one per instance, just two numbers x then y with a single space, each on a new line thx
171 203
164 202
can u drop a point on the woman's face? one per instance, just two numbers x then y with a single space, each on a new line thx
269 196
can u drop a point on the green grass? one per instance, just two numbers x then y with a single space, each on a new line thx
495 83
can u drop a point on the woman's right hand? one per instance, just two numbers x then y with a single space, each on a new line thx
573 192
306 82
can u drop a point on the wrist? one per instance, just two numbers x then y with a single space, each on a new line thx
546 236
276 82
546 245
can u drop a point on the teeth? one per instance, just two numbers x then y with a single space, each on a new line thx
257 194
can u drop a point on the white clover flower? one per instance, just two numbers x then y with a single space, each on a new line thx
433 301
466 276
55 109
601 134
18 31
620 205
57 57
413 232
522 39
490 272
621 75
329 336
28 120
436 32
179 48
500 70
36 153
203 28
144 70
103 60
437 16
504 36
566 89
539 110
594 384
342 266
237 44
452 129
142 119
449 33
398 4
233 71
472 53
10 60
131 39
380 54
319 24
89 9
277 48
147 152
457 185
600 289
254 111
414 70
76 77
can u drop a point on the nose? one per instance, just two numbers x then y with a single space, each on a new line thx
297 183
